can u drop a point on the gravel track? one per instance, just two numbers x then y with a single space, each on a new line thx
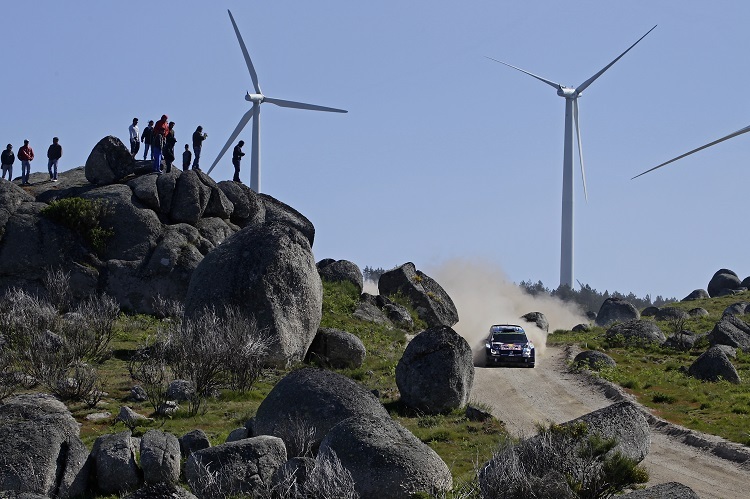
522 397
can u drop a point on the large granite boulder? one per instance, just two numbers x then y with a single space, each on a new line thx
234 468
436 371
698 294
192 441
616 310
538 319
336 348
276 211
342 270
312 400
594 360
115 465
671 314
739 308
219 204
723 279
385 459
190 198
41 450
160 457
268 272
714 365
248 206
732 331
429 299
638 331
109 162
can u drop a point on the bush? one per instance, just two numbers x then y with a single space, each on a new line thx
89 330
149 366
83 216
57 284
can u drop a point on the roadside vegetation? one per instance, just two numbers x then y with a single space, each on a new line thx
657 375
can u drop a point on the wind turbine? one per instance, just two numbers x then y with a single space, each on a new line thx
571 95
726 137
254 113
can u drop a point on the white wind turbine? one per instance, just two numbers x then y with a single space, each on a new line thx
571 95
254 113
726 137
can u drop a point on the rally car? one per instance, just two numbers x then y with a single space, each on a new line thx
508 344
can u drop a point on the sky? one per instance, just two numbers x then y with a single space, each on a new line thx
444 154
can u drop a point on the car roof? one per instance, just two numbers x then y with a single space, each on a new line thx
497 328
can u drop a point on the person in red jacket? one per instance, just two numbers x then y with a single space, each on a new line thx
161 130
26 155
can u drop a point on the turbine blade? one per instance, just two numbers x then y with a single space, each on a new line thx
250 67
733 134
243 121
548 82
583 86
580 149
302 105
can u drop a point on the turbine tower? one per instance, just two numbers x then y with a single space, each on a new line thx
571 95
254 113
726 137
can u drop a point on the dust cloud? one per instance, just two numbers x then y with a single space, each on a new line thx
485 296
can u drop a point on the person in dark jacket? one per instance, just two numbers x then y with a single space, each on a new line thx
236 158
26 155
186 157
147 138
7 158
161 129
169 147
198 138
54 153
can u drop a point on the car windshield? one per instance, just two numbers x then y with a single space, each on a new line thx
509 337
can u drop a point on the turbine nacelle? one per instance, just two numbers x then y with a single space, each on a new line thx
259 98
567 92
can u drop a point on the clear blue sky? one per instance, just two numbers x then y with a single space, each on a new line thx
443 154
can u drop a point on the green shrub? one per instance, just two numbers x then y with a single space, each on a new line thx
660 398
84 217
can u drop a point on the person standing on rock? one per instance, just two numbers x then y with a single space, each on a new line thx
198 138
7 159
236 158
161 129
187 156
135 143
54 153
147 138
169 147
26 155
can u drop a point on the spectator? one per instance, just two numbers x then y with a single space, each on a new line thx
236 158
135 143
160 132
186 157
26 155
54 153
7 159
169 147
198 138
147 138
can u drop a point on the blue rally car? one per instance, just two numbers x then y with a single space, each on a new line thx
508 344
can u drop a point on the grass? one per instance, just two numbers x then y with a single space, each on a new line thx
462 444
657 376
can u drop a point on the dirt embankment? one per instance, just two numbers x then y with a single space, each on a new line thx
522 397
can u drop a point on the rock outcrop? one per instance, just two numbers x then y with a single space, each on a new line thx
594 360
723 280
637 331
341 270
109 162
616 310
336 348
714 365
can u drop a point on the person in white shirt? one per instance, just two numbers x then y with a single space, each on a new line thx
135 140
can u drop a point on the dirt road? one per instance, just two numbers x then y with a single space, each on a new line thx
548 393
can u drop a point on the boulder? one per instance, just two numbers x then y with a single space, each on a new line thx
671 314
594 360
698 312
214 230
276 211
698 294
160 491
42 452
160 457
293 474
190 198
193 441
248 207
312 399
342 270
138 394
436 372
616 310
145 190
649 311
683 341
234 468
427 297
638 331
238 434
732 331
739 308
723 279
669 490
180 390
714 365
385 459
581 328
399 315
130 418
219 204
368 312
268 273
730 352
115 465
538 319
109 161
336 348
